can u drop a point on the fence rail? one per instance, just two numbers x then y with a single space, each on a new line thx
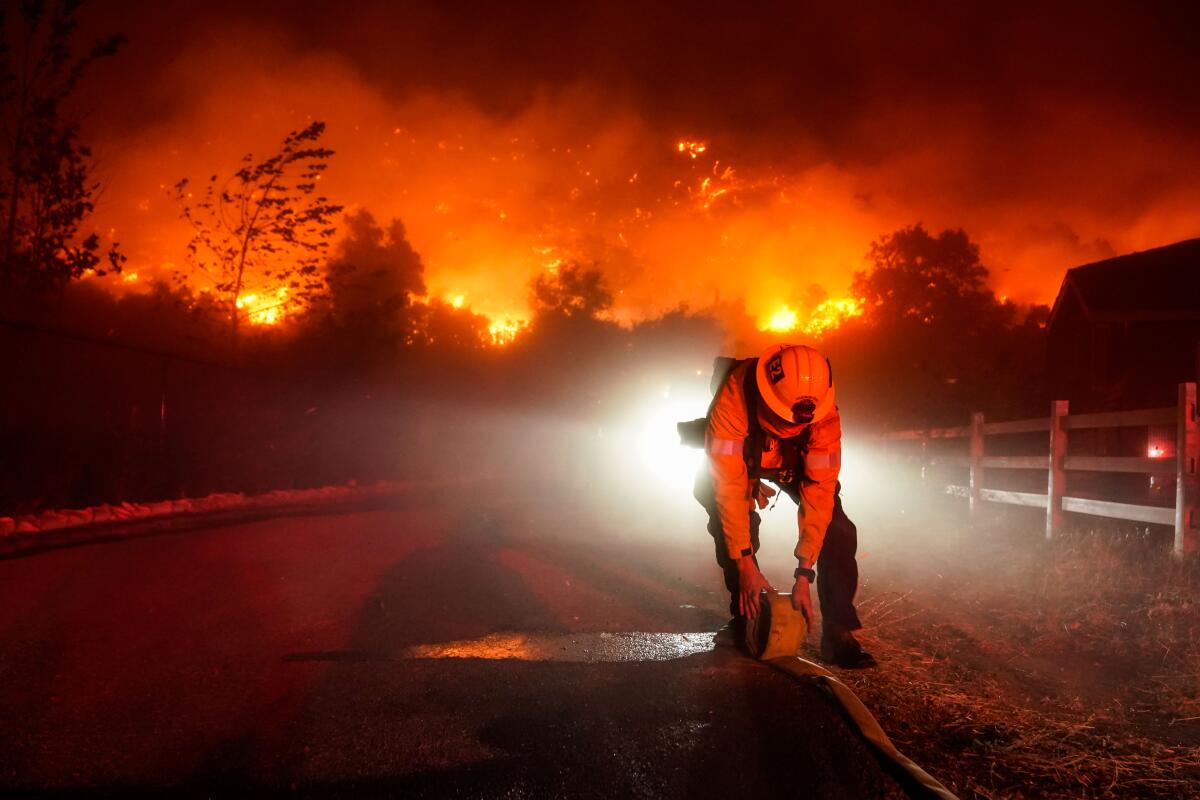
1056 463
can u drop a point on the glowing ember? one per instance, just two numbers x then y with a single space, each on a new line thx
457 300
709 193
691 148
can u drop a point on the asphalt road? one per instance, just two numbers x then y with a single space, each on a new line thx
430 648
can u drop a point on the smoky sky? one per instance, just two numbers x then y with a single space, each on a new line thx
762 72
1054 133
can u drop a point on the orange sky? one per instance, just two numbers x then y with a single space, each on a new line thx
572 171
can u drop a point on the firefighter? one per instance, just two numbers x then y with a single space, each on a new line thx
774 419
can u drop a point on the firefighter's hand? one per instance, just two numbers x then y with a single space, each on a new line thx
763 494
802 598
750 585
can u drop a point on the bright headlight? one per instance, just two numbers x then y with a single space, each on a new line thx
656 439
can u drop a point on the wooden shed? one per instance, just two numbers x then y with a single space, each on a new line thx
1125 332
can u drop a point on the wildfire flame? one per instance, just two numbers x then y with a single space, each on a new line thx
504 331
830 314
827 316
783 320
693 209
265 309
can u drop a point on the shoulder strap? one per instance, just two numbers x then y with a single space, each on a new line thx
750 390
722 366
753 446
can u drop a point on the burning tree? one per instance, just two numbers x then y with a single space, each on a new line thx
265 223
46 187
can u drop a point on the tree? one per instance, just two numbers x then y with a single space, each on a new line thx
570 291
450 329
264 224
46 186
373 273
367 313
569 356
924 279
935 343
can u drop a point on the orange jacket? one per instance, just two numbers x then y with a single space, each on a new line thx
728 427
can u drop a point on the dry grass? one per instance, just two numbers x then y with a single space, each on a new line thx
1012 667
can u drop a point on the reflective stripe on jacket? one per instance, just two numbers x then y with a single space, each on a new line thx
728 427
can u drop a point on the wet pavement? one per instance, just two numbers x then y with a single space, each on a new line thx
401 651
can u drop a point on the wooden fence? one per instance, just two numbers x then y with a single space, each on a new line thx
1056 462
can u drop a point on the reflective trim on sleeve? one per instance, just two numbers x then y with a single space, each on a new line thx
725 447
823 460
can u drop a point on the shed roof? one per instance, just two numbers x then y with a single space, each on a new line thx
1159 284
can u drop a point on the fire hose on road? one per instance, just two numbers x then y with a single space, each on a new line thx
864 721
776 634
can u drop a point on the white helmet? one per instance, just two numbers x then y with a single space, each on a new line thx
796 382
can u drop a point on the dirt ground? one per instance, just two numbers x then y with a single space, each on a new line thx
1015 667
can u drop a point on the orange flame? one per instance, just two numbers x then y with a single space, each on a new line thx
504 331
826 316
782 321
830 315
265 309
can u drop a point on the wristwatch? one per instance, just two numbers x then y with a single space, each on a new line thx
805 572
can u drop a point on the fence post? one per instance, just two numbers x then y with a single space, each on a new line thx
1056 483
1187 445
976 463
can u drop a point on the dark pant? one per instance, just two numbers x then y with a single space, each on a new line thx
837 569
